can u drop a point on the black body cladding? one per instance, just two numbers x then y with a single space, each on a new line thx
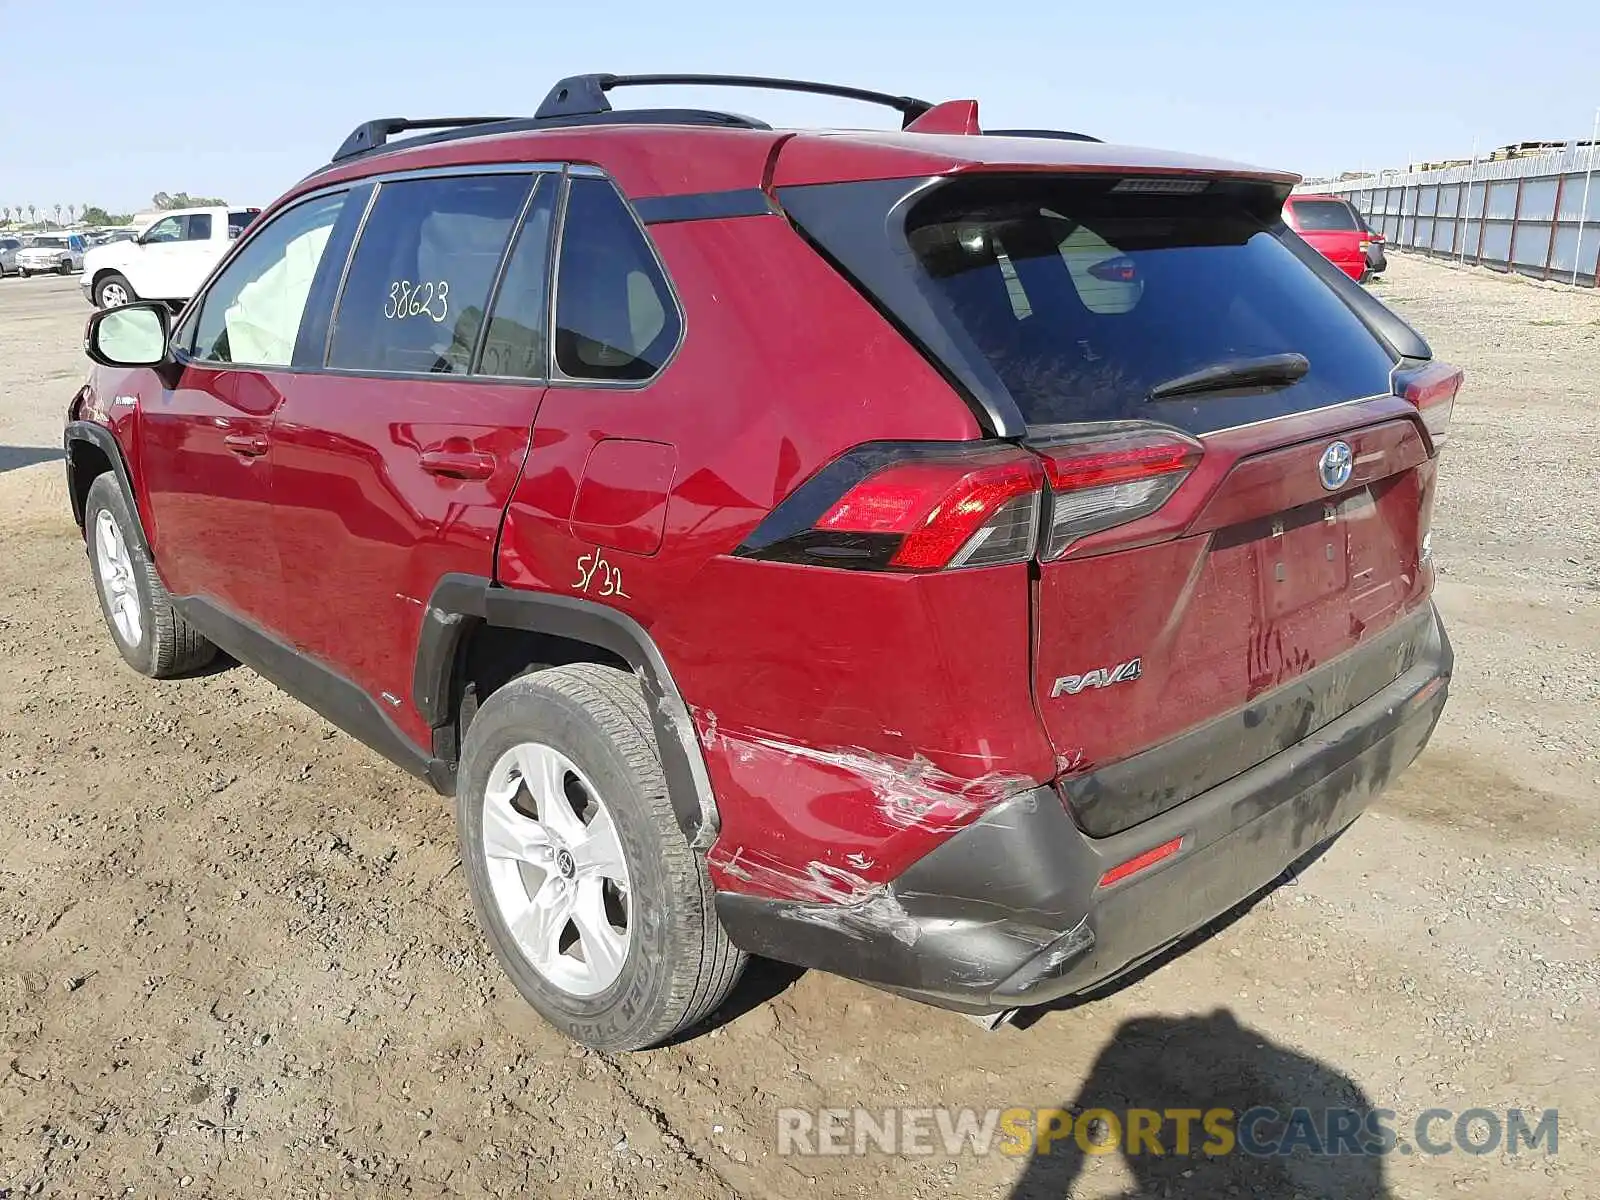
1010 912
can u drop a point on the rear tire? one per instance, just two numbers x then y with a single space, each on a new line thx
578 740
112 291
65 267
154 639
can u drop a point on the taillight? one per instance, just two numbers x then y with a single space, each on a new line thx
909 507
1097 482
931 506
1432 388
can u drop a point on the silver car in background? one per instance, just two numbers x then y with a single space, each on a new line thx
58 252
8 255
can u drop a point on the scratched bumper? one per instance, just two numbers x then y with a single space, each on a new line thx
1008 913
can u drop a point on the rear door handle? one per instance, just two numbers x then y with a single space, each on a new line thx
246 445
457 464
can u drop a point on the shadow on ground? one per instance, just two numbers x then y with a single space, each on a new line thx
14 458
1202 1064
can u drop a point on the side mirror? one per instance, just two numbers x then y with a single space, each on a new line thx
134 335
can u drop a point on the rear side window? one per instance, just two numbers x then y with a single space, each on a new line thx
1083 300
198 228
615 315
418 284
1324 216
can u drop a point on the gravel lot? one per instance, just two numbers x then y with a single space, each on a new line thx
237 956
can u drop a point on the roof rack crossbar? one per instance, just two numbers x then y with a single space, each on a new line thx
585 95
369 135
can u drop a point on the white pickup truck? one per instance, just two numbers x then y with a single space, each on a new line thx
168 261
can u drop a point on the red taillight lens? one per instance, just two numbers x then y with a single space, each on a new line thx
1100 482
1432 388
909 506
970 511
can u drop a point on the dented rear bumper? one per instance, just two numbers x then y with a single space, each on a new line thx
1010 912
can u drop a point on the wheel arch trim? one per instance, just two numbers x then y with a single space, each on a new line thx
102 439
459 602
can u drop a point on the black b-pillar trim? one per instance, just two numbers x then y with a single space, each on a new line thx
459 601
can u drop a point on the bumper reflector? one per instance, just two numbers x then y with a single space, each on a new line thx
1141 862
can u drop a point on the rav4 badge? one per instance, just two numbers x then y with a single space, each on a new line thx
1071 685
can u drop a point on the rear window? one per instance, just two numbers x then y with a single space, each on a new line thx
1324 216
1082 300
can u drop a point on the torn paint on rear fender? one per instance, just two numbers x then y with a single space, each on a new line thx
835 898
857 817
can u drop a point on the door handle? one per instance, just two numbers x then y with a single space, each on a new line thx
246 445
457 464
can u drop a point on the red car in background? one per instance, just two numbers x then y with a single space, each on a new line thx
1334 229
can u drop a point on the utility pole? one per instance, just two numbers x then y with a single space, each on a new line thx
1583 207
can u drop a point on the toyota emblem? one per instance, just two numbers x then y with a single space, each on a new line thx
1338 460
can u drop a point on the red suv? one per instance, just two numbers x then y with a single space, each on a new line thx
1333 226
964 562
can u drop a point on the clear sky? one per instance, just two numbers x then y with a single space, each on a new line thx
109 101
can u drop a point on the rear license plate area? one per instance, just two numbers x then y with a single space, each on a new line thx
1302 557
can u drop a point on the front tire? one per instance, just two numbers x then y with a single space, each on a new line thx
64 267
154 639
113 291
593 901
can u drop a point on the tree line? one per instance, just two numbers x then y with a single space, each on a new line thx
94 214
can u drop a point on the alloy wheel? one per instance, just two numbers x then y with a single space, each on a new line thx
116 579
556 869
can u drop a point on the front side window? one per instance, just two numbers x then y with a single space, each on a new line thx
168 229
418 285
252 313
615 316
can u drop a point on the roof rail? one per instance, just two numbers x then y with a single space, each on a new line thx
372 136
1065 135
585 95
369 135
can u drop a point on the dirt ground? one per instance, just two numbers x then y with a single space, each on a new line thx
237 956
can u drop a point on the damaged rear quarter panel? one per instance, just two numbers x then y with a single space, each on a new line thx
852 721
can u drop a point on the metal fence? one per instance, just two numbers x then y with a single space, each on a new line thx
1538 215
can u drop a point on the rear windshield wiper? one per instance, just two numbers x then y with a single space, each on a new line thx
1266 371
